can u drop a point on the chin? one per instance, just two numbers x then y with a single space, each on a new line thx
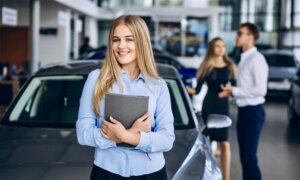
125 62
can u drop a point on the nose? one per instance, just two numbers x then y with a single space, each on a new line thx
122 44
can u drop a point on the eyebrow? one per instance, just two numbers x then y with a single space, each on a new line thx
129 36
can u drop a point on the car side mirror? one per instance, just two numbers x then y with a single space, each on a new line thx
215 121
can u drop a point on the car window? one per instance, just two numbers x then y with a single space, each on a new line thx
53 101
280 60
178 106
49 100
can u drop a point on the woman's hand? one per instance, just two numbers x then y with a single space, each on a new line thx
113 130
141 124
190 90
226 91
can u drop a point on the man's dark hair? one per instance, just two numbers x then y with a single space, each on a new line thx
253 29
86 40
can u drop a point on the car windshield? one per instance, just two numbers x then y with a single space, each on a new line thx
49 101
53 101
280 60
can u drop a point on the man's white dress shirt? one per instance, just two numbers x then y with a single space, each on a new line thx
252 79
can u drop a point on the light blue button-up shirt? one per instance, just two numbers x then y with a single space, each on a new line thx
147 157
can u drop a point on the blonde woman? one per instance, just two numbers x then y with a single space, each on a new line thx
217 70
129 69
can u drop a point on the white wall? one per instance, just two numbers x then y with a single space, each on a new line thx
54 48
91 30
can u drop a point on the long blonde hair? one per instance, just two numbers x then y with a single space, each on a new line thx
111 69
208 62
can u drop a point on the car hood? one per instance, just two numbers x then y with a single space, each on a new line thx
34 153
39 153
282 72
184 142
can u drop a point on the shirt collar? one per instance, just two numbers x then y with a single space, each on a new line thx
124 74
248 52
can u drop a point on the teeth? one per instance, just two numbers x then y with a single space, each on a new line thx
123 53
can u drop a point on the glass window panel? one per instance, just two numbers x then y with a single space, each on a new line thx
244 10
297 20
170 37
288 14
196 36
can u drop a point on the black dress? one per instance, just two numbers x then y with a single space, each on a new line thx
212 103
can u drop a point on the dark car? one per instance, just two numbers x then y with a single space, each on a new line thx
294 101
282 68
38 136
95 54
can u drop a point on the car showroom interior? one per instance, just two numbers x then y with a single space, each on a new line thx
197 89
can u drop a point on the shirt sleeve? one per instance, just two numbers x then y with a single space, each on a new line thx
162 137
199 85
86 127
260 79
233 82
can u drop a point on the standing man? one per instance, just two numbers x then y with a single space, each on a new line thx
249 94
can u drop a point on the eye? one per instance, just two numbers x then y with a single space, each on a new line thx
129 40
116 40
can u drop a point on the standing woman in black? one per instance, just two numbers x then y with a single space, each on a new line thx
215 70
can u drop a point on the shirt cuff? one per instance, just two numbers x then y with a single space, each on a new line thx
235 91
101 141
144 142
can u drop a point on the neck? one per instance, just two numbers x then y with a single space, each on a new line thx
248 46
132 70
219 61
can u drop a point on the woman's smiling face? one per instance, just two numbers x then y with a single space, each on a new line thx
123 46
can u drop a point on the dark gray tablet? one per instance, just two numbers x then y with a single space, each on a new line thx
125 108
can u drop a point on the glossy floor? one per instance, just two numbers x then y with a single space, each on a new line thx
279 149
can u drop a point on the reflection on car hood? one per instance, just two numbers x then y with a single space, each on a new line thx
40 153
184 141
282 72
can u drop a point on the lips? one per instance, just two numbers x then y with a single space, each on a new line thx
123 53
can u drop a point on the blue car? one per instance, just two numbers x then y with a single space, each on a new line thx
188 75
